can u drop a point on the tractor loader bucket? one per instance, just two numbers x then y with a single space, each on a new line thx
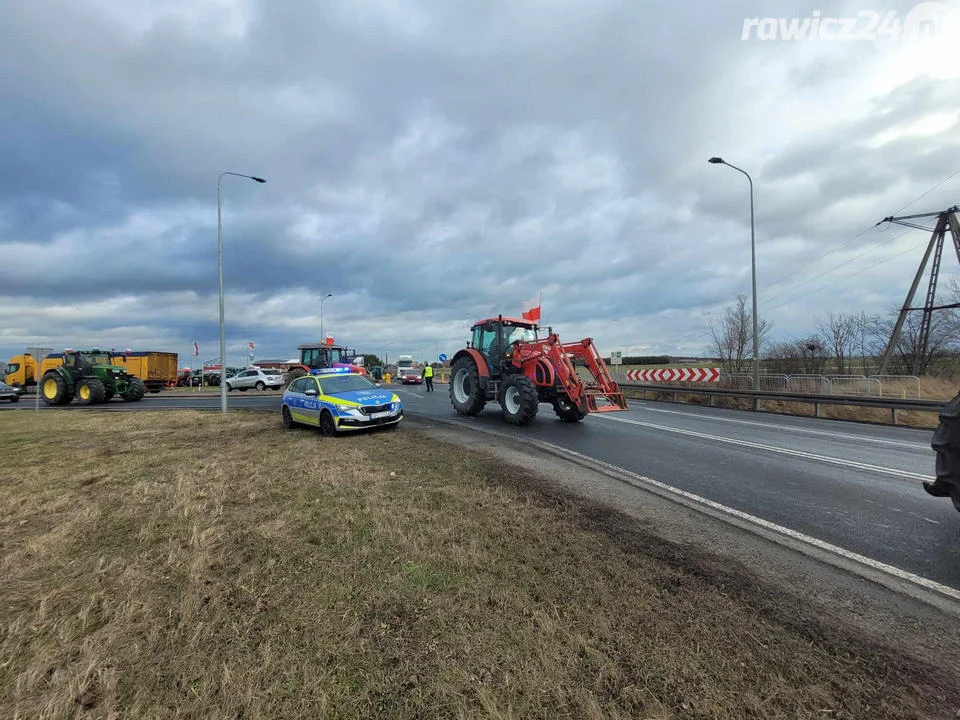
604 394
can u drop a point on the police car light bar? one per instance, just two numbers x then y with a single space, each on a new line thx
331 371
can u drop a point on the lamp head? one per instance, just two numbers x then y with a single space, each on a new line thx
716 160
259 180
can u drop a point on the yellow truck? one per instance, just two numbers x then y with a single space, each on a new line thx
157 369
21 371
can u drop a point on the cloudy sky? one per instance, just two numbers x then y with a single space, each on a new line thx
434 161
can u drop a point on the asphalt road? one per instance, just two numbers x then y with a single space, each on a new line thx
852 485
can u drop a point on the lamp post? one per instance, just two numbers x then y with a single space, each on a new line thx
753 265
223 340
323 338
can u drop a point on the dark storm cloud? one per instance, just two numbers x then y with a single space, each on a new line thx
426 161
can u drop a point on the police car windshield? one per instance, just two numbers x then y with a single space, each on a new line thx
337 384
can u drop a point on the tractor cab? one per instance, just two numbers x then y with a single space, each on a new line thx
85 361
319 356
495 337
316 356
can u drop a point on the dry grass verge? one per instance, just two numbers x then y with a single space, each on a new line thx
185 564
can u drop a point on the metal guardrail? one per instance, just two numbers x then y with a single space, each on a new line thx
880 403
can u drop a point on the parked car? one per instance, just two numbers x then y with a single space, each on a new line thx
337 400
257 378
9 392
409 375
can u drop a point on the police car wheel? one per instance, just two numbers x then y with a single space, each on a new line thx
328 428
287 418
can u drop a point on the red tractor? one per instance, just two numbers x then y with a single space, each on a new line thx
506 362
316 356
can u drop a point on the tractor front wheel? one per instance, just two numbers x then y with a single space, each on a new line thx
90 391
519 400
54 389
135 390
466 394
567 410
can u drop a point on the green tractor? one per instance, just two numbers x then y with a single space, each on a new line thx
88 376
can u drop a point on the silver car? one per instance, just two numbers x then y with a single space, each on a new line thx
256 378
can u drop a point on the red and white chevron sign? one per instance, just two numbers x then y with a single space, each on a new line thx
675 375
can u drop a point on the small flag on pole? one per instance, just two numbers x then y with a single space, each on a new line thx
196 349
531 309
329 340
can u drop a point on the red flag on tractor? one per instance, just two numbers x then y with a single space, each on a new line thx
531 310
329 340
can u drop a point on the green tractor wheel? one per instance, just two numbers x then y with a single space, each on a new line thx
91 391
54 389
135 390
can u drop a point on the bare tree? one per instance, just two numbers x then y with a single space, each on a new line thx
732 336
838 334
907 357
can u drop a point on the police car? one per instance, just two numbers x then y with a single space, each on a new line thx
338 400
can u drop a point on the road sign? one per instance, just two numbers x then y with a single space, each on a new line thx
676 375
616 357
443 357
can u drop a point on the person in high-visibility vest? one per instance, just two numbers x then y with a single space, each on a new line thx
428 376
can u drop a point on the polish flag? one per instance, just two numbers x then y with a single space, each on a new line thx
531 310
329 339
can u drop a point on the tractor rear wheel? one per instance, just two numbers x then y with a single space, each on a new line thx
466 394
54 389
519 400
90 391
135 390
567 410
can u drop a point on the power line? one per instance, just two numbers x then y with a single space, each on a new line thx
927 192
837 267
862 270
818 259
858 235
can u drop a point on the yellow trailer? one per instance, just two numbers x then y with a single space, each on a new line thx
21 371
157 369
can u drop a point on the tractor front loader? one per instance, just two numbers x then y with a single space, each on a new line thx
506 362
89 377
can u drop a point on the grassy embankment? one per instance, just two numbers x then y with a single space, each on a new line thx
184 564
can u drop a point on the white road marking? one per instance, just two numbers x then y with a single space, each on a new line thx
643 482
790 428
775 449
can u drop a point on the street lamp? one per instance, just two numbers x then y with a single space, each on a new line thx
223 340
323 338
385 363
753 265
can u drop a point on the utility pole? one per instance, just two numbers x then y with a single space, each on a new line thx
946 221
